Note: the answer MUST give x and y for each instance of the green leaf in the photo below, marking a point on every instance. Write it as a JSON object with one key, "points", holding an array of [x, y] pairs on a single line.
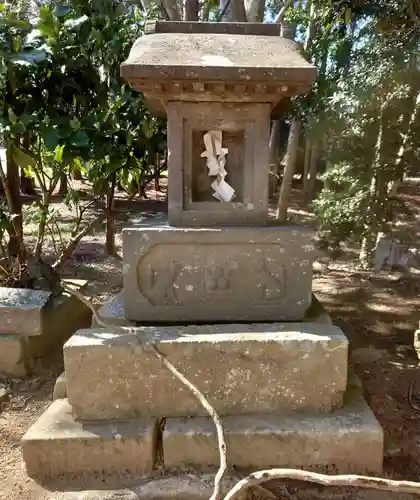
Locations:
{"points": [[51, 138], [22, 159], [11, 115], [75, 23], [347, 16], [47, 25], [59, 150], [46, 15], [74, 123], [80, 139], [14, 23]]}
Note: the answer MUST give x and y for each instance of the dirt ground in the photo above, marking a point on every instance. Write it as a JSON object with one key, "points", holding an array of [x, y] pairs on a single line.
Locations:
{"points": [[379, 313]]}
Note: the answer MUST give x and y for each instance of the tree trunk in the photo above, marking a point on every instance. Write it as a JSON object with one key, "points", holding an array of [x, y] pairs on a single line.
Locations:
{"points": [[254, 10], [291, 156], [171, 9], [77, 175], [311, 30], [307, 160], [377, 198], [233, 11], [110, 247], [26, 184], [406, 139], [64, 188], [274, 158], [15, 247], [311, 179], [15, 201], [142, 191], [282, 12], [191, 10]]}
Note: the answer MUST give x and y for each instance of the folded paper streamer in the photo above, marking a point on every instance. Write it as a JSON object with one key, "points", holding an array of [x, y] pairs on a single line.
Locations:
{"points": [[216, 161]]}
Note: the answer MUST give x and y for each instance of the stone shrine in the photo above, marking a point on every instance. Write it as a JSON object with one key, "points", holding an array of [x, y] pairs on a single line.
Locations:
{"points": [[226, 296], [219, 91]]}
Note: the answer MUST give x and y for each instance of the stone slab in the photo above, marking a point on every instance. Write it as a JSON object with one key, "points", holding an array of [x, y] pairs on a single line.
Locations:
{"points": [[57, 444], [32, 313], [349, 440], [12, 356], [209, 275], [226, 57], [256, 367], [21, 310]]}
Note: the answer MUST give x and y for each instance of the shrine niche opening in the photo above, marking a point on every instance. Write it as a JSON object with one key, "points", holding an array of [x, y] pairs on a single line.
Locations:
{"points": [[201, 181]]}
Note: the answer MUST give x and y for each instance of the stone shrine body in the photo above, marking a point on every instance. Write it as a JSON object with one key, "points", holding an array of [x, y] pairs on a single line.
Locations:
{"points": [[225, 296], [217, 260]]}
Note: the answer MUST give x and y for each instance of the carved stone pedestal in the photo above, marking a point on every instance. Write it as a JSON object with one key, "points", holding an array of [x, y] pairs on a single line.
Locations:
{"points": [[217, 274]]}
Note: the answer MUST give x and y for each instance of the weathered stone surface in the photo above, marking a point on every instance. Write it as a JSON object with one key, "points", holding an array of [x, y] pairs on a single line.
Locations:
{"points": [[60, 387], [179, 487], [21, 310], [57, 444], [113, 311], [64, 315], [217, 274], [247, 368], [163, 57], [53, 324], [349, 440], [12, 356]]}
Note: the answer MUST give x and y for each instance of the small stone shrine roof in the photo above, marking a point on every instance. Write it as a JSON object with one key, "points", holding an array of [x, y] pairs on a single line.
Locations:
{"points": [[221, 52]]}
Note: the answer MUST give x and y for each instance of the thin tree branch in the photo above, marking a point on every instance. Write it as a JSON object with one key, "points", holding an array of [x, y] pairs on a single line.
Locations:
{"points": [[72, 244], [213, 414], [373, 483], [282, 12]]}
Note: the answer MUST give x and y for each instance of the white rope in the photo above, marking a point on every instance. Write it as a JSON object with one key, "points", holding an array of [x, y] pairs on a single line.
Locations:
{"points": [[216, 161]]}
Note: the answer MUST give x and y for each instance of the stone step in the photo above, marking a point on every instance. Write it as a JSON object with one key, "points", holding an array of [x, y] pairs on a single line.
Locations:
{"points": [[242, 369], [186, 486], [57, 444], [348, 441]]}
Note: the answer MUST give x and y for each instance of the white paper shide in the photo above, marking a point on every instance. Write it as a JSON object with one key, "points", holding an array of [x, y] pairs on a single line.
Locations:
{"points": [[216, 161]]}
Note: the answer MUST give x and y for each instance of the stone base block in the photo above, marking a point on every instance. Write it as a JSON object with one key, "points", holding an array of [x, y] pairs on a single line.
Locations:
{"points": [[43, 329], [22, 310], [57, 444], [12, 356], [217, 274], [242, 369], [348, 441]]}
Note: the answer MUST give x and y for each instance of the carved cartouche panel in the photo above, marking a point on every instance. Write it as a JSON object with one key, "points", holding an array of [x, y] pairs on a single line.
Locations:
{"points": [[216, 274], [212, 274]]}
